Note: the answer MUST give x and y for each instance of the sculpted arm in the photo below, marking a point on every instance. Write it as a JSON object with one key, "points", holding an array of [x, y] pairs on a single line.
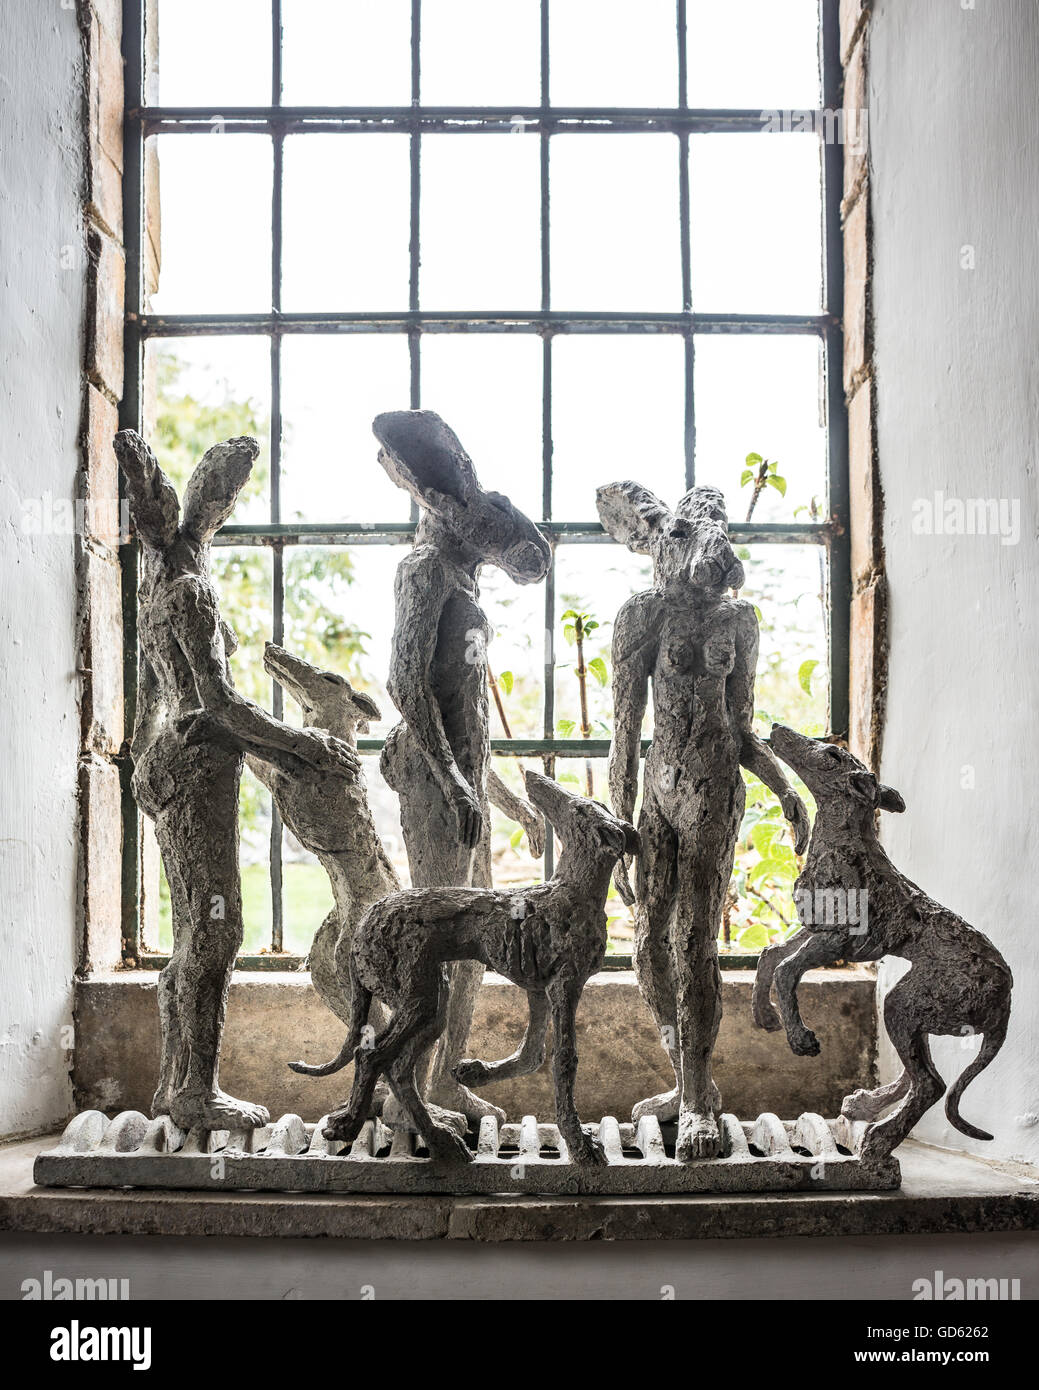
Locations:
{"points": [[195, 623], [635, 640], [755, 755], [420, 592]]}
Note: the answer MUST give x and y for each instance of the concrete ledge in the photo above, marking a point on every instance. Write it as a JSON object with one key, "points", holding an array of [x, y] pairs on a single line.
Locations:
{"points": [[941, 1193], [274, 1018]]}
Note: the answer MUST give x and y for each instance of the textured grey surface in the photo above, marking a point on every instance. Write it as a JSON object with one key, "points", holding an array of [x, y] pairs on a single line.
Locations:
{"points": [[765, 1155], [698, 647], [329, 814], [549, 938], [958, 984], [192, 733], [437, 758]]}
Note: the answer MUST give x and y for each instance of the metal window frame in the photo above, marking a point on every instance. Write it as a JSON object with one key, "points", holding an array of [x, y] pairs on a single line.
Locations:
{"points": [[275, 122]]}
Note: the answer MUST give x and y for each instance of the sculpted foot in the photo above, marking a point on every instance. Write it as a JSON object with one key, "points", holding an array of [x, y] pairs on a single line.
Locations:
{"points": [[663, 1107], [766, 1015], [588, 1152], [217, 1110], [473, 1107], [394, 1116], [470, 1072], [865, 1105], [445, 1146], [804, 1043], [698, 1137]]}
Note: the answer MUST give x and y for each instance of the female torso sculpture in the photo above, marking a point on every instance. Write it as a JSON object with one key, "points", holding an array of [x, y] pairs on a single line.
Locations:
{"points": [[698, 646]]}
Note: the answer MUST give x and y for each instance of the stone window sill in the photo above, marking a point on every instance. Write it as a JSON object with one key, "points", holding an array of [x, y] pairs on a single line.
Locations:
{"points": [[942, 1192]]}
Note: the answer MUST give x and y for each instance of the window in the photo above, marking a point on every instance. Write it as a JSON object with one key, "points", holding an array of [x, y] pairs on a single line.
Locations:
{"points": [[611, 249]]}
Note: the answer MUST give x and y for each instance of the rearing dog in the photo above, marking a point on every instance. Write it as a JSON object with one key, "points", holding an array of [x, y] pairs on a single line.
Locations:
{"points": [[959, 984], [547, 938]]}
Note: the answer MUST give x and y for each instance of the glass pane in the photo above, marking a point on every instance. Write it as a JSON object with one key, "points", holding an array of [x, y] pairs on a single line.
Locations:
{"points": [[481, 222], [214, 224], [617, 412], [615, 231], [332, 389], [481, 53], [594, 581], [346, 222], [613, 53], [753, 53], [214, 53], [788, 584], [346, 52], [756, 223], [201, 391], [488, 388], [516, 653], [761, 395]]}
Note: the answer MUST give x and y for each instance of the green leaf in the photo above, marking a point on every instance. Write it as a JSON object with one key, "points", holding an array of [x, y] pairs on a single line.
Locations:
{"points": [[516, 837], [565, 727], [570, 633], [505, 681], [804, 675], [746, 476], [753, 938], [753, 460], [568, 777], [772, 466], [763, 836], [570, 613], [590, 625], [598, 669], [778, 483], [757, 611]]}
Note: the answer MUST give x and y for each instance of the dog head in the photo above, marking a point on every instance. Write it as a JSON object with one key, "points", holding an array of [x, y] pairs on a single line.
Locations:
{"points": [[831, 773], [578, 820], [327, 699]]}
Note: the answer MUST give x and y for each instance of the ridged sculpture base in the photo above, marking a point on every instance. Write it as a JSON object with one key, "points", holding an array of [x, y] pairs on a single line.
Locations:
{"points": [[763, 1155]]}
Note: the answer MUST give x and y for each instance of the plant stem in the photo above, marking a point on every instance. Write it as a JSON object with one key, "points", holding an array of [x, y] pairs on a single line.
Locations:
{"points": [[759, 487], [582, 681], [492, 681]]}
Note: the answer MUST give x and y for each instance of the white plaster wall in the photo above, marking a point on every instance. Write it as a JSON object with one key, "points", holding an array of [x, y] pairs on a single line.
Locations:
{"points": [[42, 280], [954, 134]]}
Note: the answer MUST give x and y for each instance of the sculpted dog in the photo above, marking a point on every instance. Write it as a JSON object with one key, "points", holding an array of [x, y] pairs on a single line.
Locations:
{"points": [[547, 938], [959, 983]]}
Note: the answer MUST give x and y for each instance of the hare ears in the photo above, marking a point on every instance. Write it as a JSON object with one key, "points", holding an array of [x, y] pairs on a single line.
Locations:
{"points": [[151, 495], [631, 514], [364, 704], [882, 798], [636, 517], [423, 455]]}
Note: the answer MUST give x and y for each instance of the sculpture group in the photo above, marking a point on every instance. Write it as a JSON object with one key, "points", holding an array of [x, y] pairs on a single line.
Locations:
{"points": [[401, 967]]}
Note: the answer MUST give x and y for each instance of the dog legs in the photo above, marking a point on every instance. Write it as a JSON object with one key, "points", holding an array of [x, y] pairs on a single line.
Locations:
{"points": [[526, 1059], [925, 1082], [870, 1105], [564, 994], [765, 1013], [815, 949]]}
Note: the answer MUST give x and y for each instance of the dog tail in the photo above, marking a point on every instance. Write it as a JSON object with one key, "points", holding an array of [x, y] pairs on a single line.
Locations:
{"points": [[992, 1042], [360, 1005]]}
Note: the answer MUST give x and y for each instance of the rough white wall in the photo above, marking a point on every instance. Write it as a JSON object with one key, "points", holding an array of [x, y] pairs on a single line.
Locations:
{"points": [[954, 135], [42, 278]]}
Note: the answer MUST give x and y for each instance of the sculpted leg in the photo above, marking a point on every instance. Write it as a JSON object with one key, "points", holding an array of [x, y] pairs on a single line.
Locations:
{"points": [[207, 932], [925, 1082], [655, 899], [705, 865], [870, 1105], [526, 1059], [815, 950], [765, 1013]]}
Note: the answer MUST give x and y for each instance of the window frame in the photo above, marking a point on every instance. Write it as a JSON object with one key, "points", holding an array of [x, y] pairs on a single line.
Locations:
{"points": [[275, 122]]}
